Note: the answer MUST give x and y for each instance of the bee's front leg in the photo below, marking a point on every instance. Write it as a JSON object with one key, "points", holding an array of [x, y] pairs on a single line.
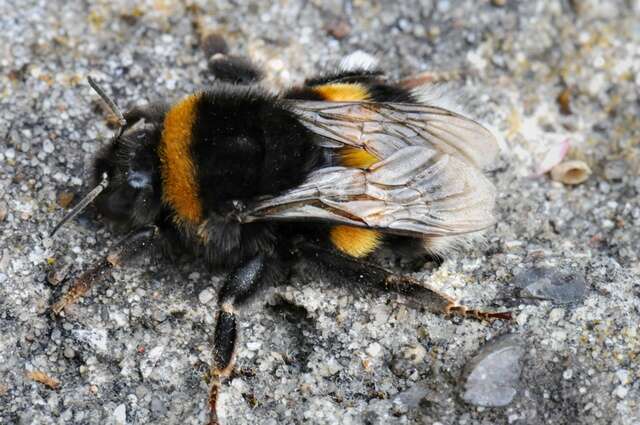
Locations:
{"points": [[152, 113], [137, 241], [238, 288]]}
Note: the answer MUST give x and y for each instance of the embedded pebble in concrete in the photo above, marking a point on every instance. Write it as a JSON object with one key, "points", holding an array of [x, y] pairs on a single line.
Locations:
{"points": [[120, 415], [492, 377], [97, 339], [411, 398], [616, 170], [551, 284]]}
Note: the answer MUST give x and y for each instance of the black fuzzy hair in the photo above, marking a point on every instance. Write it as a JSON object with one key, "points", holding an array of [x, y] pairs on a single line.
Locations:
{"points": [[246, 144]]}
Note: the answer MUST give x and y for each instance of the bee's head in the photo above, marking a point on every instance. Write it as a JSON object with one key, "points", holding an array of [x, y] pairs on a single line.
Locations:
{"points": [[131, 166], [126, 174]]}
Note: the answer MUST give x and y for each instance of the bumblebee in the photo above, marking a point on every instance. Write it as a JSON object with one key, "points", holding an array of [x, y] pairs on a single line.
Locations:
{"points": [[328, 171]]}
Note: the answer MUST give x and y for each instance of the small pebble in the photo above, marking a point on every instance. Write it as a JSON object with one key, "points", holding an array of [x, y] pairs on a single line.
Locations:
{"points": [[158, 407], [339, 28], [159, 315], [623, 376], [4, 210], [206, 296], [412, 397], [120, 415], [48, 147], [254, 345], [621, 391], [374, 349], [69, 353], [616, 170]]}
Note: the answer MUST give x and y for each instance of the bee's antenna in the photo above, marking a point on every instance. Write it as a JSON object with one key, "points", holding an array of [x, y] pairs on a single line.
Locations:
{"points": [[110, 103], [83, 203]]}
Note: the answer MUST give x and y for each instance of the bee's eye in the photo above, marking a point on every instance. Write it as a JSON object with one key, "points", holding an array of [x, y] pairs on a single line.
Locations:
{"points": [[138, 179]]}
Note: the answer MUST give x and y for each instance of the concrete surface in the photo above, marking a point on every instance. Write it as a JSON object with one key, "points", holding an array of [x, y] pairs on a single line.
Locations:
{"points": [[135, 350]]}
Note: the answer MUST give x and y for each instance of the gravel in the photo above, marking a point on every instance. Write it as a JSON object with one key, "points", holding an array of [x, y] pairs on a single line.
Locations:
{"points": [[136, 349]]}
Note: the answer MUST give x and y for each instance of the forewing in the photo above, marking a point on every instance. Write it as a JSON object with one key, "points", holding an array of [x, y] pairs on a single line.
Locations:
{"points": [[384, 128], [415, 191]]}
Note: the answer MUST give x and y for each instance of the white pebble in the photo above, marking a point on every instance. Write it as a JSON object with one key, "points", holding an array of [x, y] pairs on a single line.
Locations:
{"points": [[48, 147], [621, 391], [206, 296], [120, 415], [254, 345], [623, 376], [374, 349]]}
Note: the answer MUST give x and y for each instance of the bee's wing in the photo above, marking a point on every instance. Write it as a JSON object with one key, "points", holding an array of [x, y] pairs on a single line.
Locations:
{"points": [[427, 181], [384, 128]]}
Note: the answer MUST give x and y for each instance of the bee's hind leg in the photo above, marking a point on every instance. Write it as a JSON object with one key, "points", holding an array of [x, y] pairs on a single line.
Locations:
{"points": [[238, 288], [126, 249], [225, 67], [347, 271]]}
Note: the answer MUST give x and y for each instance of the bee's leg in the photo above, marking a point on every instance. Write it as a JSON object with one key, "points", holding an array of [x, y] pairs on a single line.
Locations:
{"points": [[238, 288], [367, 276], [152, 113], [126, 249], [233, 69], [225, 67]]}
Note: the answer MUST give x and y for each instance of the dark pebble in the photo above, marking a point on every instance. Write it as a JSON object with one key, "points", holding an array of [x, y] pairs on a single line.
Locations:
{"points": [[548, 284]]}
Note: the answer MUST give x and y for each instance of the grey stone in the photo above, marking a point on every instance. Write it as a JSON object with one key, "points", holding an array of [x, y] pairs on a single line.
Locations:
{"points": [[69, 352], [492, 377], [158, 407], [411, 398], [616, 170], [551, 284]]}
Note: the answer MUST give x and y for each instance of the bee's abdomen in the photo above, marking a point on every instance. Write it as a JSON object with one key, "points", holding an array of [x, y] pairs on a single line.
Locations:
{"points": [[354, 241]]}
